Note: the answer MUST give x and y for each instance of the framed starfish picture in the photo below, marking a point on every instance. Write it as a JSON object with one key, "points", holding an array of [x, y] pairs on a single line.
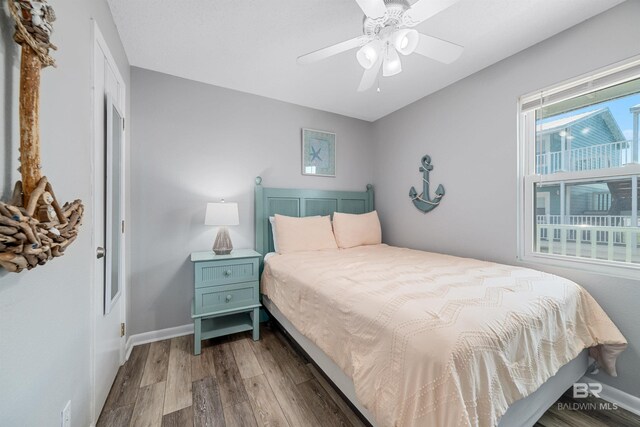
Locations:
{"points": [[318, 153]]}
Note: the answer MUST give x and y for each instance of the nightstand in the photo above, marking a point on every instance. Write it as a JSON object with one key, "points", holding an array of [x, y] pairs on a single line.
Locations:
{"points": [[226, 294]]}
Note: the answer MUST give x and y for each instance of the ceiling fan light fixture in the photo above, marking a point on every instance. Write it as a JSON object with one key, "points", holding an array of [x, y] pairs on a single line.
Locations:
{"points": [[406, 40], [391, 65], [368, 54]]}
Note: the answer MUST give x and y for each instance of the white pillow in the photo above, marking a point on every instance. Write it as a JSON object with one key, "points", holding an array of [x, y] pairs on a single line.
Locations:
{"points": [[357, 230], [310, 233], [272, 221]]}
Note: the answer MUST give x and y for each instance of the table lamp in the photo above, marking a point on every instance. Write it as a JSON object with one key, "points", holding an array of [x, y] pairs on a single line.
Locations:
{"points": [[222, 214]]}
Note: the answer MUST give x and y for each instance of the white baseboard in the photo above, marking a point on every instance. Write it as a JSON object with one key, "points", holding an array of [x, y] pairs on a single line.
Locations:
{"points": [[611, 394], [151, 336]]}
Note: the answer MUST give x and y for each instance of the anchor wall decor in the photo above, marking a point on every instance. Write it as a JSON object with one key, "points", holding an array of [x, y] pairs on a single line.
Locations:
{"points": [[423, 201]]}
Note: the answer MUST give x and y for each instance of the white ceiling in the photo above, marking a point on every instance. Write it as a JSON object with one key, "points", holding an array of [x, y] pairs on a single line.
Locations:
{"points": [[252, 45]]}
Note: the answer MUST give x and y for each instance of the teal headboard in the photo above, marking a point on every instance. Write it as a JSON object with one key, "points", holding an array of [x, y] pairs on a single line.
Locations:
{"points": [[296, 202]]}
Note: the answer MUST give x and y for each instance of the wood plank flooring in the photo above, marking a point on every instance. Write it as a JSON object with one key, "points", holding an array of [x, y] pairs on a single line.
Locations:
{"points": [[586, 412], [238, 382]]}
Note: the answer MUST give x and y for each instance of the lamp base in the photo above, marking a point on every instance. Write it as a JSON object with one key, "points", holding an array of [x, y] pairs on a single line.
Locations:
{"points": [[223, 245]]}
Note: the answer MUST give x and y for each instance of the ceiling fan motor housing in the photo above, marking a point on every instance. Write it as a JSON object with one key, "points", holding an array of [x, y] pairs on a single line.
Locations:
{"points": [[372, 27]]}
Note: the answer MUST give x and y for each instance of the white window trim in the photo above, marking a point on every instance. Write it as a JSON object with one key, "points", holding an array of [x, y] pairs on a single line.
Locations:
{"points": [[602, 78]]}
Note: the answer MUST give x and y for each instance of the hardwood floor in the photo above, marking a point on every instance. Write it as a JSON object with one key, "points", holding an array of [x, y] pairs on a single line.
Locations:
{"points": [[238, 382], [586, 412]]}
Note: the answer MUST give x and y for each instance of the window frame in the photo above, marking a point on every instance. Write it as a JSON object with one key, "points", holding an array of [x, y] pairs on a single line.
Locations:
{"points": [[526, 124]]}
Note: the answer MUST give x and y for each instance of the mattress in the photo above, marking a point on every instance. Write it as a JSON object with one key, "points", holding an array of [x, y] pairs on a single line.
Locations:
{"points": [[430, 339]]}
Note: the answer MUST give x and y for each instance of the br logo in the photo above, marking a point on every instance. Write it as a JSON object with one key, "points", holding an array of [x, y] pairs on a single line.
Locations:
{"points": [[582, 390]]}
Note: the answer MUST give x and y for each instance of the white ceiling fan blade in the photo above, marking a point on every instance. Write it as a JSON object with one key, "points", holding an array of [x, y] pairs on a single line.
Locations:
{"points": [[425, 9], [370, 75], [440, 50], [372, 8], [332, 50]]}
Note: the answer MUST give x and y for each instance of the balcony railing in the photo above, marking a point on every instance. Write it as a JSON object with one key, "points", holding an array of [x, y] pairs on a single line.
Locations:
{"points": [[585, 224], [597, 220], [605, 243], [614, 154], [609, 237]]}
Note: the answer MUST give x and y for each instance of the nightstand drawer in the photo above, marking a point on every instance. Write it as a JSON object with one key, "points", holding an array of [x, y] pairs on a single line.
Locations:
{"points": [[224, 272], [227, 297]]}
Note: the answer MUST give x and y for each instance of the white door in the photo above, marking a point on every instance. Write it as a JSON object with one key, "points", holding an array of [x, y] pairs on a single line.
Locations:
{"points": [[108, 207]]}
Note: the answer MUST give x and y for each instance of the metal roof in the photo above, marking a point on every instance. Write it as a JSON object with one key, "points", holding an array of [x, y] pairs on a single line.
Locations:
{"points": [[565, 122]]}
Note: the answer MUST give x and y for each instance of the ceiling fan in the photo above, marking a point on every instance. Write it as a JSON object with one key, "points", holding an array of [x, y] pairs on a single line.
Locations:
{"points": [[387, 29]]}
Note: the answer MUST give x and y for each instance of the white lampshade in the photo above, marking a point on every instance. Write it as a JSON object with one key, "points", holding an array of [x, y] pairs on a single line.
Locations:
{"points": [[368, 54], [406, 40], [222, 213], [391, 65]]}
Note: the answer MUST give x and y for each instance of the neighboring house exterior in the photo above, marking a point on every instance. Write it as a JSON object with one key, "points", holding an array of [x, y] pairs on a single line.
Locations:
{"points": [[585, 141], [589, 140]]}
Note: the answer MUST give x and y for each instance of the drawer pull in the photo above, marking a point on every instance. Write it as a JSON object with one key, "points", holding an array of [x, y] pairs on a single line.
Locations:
{"points": [[227, 273], [229, 297]]}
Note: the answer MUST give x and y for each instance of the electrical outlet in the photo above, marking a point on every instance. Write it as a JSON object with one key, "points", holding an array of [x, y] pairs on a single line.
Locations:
{"points": [[66, 415]]}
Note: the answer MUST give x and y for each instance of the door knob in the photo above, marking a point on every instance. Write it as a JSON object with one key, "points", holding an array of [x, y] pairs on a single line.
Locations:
{"points": [[100, 252]]}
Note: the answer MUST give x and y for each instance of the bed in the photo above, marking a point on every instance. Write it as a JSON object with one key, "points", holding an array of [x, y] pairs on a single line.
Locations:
{"points": [[364, 319]]}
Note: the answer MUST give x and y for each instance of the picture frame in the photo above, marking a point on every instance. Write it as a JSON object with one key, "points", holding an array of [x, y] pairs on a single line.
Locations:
{"points": [[318, 153]]}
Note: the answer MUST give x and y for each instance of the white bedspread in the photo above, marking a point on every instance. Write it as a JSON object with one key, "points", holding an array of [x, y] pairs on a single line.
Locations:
{"points": [[436, 340]]}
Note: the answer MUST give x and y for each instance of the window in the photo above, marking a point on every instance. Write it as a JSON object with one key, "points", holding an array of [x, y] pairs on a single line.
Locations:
{"points": [[579, 169]]}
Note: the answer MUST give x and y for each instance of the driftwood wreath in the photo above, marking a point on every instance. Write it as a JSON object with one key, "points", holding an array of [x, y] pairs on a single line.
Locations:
{"points": [[34, 228]]}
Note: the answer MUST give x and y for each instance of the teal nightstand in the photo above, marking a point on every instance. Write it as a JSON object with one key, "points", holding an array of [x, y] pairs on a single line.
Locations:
{"points": [[227, 294]]}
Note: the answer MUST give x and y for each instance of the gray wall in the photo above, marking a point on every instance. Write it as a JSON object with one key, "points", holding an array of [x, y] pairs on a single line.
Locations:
{"points": [[197, 143], [45, 330], [470, 129]]}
